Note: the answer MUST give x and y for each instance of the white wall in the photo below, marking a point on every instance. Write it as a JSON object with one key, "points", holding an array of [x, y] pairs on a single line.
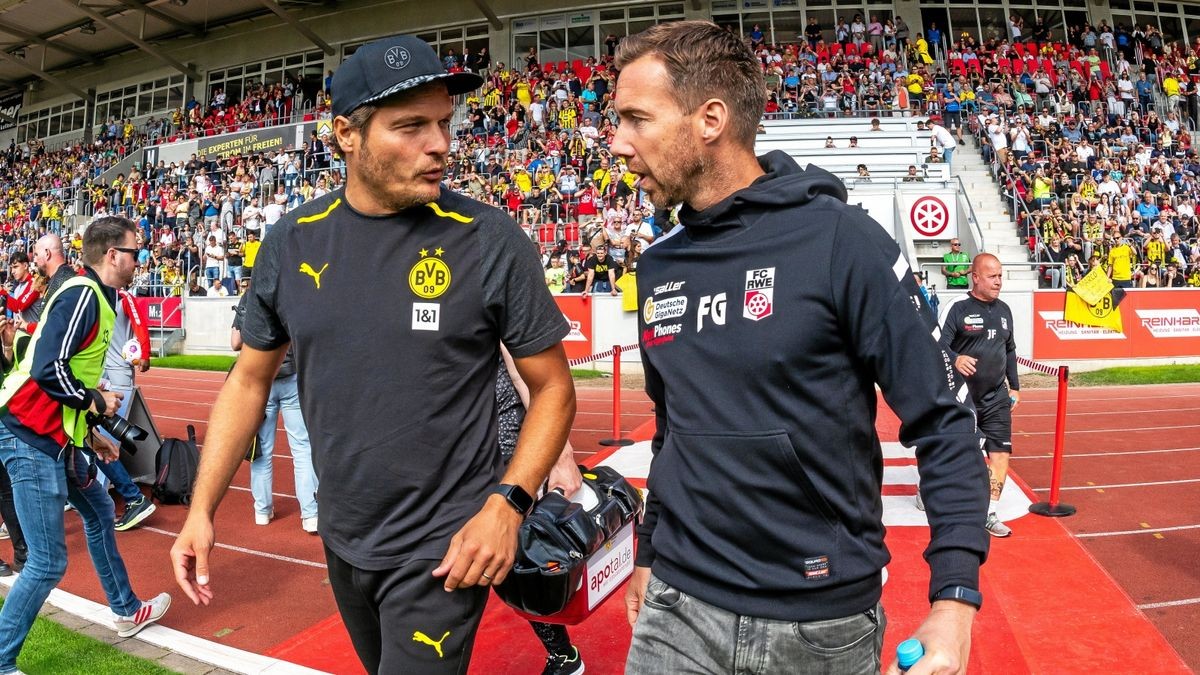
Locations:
{"points": [[206, 324]]}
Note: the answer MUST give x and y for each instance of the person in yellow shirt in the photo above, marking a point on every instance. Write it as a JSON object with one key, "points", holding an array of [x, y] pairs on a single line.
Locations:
{"points": [[250, 252], [523, 180], [1156, 248], [545, 178], [1121, 259], [923, 50], [567, 117], [602, 177]]}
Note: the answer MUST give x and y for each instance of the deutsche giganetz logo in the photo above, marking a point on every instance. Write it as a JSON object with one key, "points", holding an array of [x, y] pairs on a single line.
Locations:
{"points": [[396, 57]]}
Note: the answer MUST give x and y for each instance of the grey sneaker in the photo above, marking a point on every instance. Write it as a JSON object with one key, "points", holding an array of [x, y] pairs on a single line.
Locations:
{"points": [[920, 502], [995, 527], [151, 611]]}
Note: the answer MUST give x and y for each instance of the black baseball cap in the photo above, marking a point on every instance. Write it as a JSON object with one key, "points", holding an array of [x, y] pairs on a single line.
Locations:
{"points": [[389, 66]]}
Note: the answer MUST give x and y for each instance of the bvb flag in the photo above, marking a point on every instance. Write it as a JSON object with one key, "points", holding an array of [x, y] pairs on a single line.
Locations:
{"points": [[1094, 301]]}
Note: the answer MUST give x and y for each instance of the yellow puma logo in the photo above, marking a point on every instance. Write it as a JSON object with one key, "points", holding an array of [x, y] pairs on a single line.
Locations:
{"points": [[424, 639], [307, 269]]}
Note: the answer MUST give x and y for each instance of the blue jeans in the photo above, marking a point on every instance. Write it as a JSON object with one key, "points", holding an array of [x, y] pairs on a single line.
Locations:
{"points": [[678, 633], [116, 471], [948, 155], [212, 273], [40, 487], [284, 398]]}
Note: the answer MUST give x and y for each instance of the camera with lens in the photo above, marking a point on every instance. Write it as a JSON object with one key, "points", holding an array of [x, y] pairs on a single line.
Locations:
{"points": [[127, 433]]}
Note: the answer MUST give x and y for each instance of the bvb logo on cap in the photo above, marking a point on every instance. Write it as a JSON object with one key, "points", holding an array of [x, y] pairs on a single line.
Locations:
{"points": [[396, 58]]}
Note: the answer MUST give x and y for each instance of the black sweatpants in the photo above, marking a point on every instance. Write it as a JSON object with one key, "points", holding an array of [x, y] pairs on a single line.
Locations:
{"points": [[402, 620]]}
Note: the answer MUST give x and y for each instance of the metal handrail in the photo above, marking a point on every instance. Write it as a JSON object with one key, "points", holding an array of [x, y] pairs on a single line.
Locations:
{"points": [[972, 219]]}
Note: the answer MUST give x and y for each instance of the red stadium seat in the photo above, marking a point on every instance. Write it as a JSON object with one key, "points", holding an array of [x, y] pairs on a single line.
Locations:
{"points": [[957, 67], [1080, 68], [835, 50], [545, 234], [571, 233], [976, 66], [851, 49], [1004, 66], [1105, 71], [1018, 66], [1019, 47]]}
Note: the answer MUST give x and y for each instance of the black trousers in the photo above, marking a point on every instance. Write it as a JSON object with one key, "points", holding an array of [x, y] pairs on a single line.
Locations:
{"points": [[8, 511], [402, 620]]}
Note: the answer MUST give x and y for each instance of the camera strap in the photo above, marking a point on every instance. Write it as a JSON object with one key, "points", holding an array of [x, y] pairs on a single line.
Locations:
{"points": [[80, 465]]}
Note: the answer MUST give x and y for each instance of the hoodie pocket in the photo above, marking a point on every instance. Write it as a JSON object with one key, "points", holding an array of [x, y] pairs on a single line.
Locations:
{"points": [[743, 499]]}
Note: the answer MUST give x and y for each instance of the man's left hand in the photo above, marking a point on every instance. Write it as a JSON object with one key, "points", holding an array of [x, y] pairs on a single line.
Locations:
{"points": [[106, 451], [482, 552], [946, 637], [1015, 396]]}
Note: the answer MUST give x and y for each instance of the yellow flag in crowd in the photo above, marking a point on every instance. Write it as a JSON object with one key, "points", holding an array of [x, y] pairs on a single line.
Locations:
{"points": [[1104, 309], [1093, 286]]}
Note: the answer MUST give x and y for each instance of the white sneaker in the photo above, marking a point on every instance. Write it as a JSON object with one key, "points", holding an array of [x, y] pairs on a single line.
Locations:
{"points": [[151, 611], [4, 531], [263, 518], [995, 527], [309, 525], [920, 502]]}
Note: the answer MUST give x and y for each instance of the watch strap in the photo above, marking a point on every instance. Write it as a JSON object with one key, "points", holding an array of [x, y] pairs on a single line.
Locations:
{"points": [[963, 594]]}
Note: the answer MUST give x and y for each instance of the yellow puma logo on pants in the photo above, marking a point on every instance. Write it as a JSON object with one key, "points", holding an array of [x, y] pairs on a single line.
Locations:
{"points": [[424, 639], [307, 269]]}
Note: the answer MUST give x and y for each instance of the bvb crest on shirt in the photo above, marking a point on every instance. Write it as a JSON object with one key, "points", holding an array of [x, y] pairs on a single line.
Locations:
{"points": [[430, 276]]}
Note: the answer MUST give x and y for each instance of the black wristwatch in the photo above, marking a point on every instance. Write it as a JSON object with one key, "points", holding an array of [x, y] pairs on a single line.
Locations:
{"points": [[517, 498], [962, 594]]}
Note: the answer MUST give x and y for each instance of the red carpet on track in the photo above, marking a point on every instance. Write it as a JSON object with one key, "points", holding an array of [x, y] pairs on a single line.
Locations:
{"points": [[1049, 608]]}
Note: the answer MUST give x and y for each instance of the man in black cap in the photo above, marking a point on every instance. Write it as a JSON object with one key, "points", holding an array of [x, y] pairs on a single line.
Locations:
{"points": [[414, 515]]}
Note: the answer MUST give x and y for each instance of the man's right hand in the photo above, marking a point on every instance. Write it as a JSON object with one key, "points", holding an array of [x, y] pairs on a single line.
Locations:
{"points": [[189, 557], [965, 364], [635, 593], [112, 402]]}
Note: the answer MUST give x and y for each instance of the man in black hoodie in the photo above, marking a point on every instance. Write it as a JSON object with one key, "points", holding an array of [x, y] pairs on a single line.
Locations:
{"points": [[765, 516]]}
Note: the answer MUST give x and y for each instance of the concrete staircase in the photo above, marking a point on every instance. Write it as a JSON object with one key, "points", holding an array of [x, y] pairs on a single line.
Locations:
{"points": [[995, 220]]}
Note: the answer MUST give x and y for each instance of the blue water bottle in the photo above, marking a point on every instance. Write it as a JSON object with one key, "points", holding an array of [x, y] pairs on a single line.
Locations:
{"points": [[908, 653]]}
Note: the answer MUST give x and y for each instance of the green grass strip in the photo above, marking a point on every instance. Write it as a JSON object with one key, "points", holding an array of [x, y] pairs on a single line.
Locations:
{"points": [[1173, 374], [201, 362], [52, 648], [588, 374]]}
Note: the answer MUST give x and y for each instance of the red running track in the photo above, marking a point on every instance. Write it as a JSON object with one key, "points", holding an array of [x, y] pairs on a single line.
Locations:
{"points": [[1050, 608]]}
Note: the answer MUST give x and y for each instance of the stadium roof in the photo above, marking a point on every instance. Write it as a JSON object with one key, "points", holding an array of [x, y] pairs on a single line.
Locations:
{"points": [[40, 39]]}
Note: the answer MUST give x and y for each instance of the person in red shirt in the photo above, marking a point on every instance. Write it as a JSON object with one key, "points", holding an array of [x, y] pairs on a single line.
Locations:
{"points": [[20, 294]]}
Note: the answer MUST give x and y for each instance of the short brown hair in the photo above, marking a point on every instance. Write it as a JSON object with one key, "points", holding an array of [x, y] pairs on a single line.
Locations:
{"points": [[704, 61], [103, 234]]}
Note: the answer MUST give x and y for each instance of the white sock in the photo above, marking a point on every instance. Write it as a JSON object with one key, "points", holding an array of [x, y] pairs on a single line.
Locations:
{"points": [[993, 504]]}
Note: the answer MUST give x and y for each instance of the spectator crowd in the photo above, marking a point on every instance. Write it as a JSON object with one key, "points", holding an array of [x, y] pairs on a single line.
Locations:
{"points": [[1090, 136]]}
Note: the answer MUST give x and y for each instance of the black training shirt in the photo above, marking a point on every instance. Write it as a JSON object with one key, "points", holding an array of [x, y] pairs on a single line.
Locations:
{"points": [[396, 323], [983, 330]]}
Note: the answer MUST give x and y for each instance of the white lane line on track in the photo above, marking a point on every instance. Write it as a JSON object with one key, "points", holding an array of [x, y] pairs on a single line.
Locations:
{"points": [[1107, 431], [1164, 411], [1123, 485], [1170, 603], [249, 551], [1076, 455], [1177, 528]]}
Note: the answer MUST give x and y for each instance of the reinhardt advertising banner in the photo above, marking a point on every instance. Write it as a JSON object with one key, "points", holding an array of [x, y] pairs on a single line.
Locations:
{"points": [[1154, 322]]}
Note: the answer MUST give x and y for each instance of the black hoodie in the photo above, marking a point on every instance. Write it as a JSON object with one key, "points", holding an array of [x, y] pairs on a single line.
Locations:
{"points": [[766, 322]]}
